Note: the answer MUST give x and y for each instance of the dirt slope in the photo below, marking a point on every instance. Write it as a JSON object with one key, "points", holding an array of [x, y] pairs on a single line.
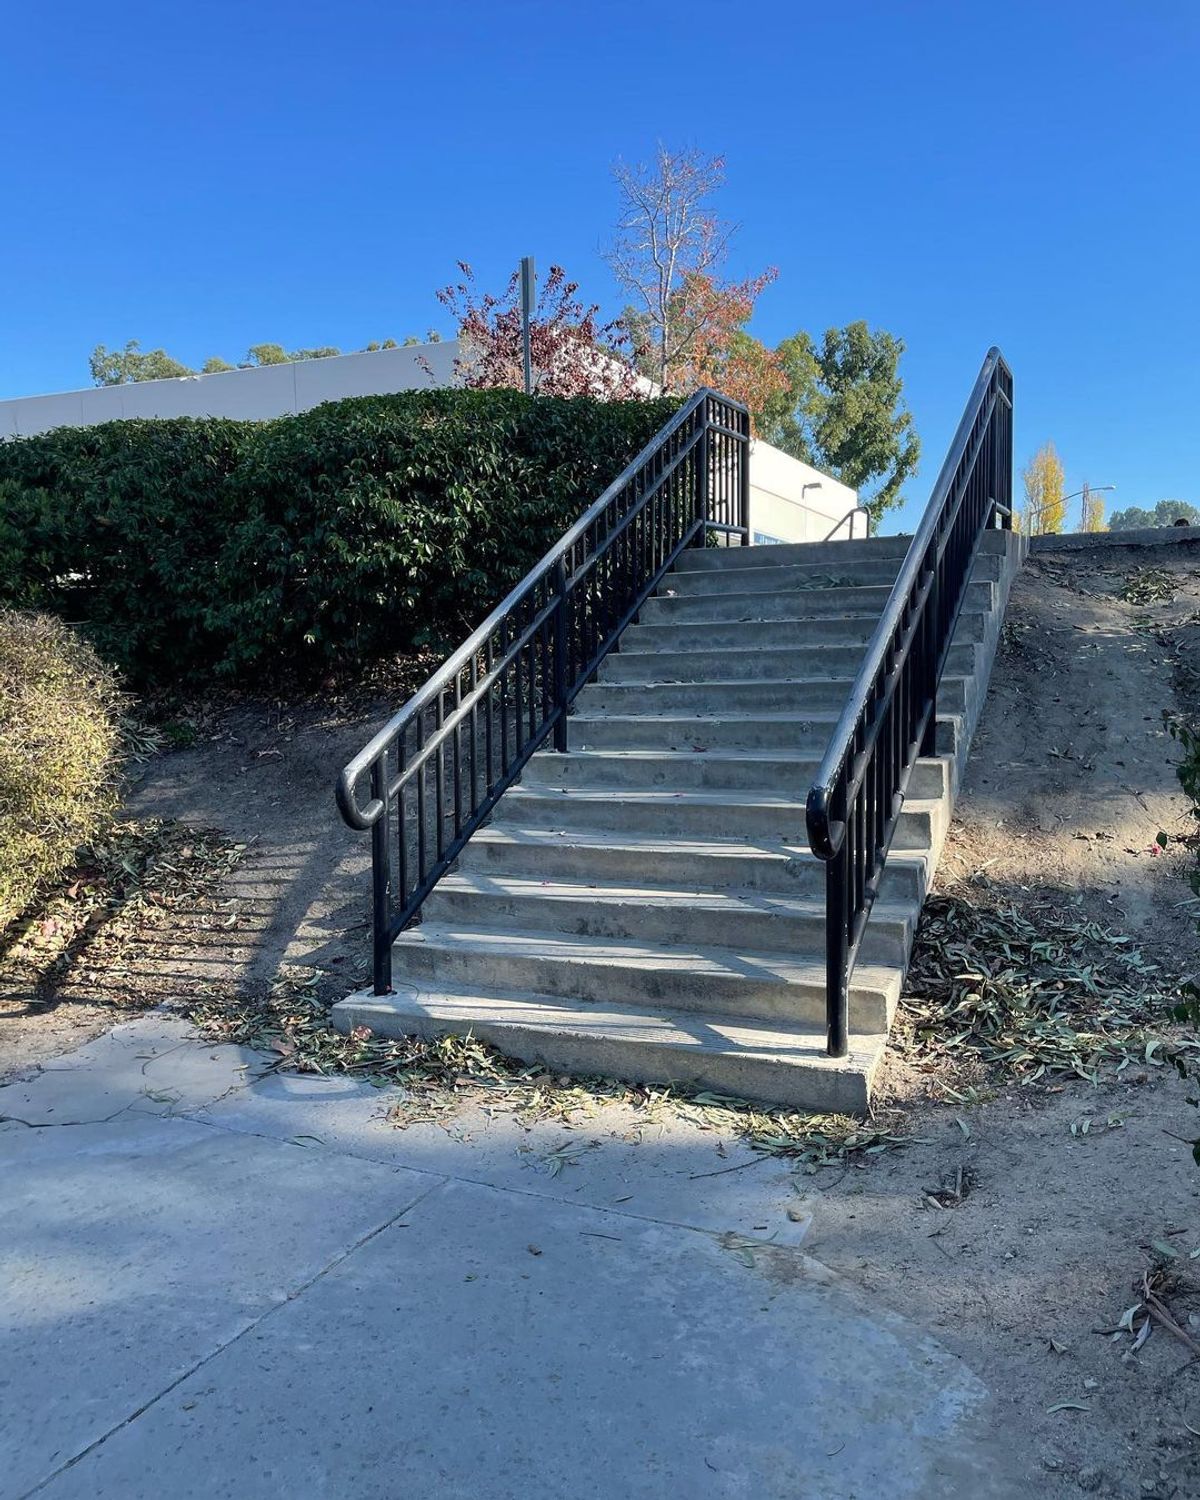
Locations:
{"points": [[1070, 781]]}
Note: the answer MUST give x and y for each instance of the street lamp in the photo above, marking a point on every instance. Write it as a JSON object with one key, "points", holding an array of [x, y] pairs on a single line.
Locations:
{"points": [[1088, 489]]}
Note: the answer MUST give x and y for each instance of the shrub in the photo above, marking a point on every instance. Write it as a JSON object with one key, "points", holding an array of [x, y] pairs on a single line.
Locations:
{"points": [[249, 549], [59, 742]]}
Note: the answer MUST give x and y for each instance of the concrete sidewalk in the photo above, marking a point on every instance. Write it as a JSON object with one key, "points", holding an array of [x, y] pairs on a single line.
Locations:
{"points": [[221, 1281]]}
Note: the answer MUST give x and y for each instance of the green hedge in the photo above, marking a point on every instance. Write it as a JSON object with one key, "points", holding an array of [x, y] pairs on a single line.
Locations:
{"points": [[59, 748], [193, 547]]}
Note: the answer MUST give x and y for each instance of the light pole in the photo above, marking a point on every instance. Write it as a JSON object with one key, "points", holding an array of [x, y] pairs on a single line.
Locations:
{"points": [[528, 301]]}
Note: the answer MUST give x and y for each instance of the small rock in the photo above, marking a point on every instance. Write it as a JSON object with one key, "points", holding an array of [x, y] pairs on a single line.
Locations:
{"points": [[1090, 1480]]}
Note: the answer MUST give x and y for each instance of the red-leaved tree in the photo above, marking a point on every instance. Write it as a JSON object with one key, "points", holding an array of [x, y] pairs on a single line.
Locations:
{"points": [[573, 352]]}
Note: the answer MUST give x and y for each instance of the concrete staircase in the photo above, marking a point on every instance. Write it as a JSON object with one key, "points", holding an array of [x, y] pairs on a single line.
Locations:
{"points": [[646, 905]]}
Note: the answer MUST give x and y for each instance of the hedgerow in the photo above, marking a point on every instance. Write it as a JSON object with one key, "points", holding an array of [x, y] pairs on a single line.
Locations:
{"points": [[191, 548]]}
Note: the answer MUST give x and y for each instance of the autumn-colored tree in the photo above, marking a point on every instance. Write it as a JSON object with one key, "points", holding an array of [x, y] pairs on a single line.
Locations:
{"points": [[573, 352], [722, 354], [1045, 507], [1092, 511], [668, 257]]}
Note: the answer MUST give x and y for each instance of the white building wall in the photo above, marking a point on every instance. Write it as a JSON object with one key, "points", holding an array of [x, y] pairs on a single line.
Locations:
{"points": [[266, 391], [791, 501]]}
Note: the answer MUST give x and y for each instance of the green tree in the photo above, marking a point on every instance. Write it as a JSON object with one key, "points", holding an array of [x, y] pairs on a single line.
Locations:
{"points": [[266, 354], [1165, 513], [843, 411], [125, 366]]}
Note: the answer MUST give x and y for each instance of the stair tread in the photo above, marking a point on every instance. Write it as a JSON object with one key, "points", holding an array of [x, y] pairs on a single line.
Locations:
{"points": [[447, 1005], [653, 752], [699, 683], [753, 715], [732, 798], [632, 843], [834, 679], [642, 844], [654, 894], [680, 958]]}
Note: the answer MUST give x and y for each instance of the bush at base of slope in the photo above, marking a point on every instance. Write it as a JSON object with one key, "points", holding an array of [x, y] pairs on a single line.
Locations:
{"points": [[59, 751]]}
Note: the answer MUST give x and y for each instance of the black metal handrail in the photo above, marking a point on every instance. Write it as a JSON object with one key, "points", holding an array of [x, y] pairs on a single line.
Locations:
{"points": [[890, 718], [440, 765], [859, 510]]}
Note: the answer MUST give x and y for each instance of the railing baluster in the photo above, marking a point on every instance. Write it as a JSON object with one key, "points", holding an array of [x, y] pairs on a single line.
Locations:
{"points": [[381, 881], [421, 778], [456, 751]]}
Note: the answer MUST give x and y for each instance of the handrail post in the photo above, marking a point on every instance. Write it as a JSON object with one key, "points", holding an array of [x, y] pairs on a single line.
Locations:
{"points": [[702, 476], [381, 878], [929, 667], [837, 955], [744, 476], [560, 654]]}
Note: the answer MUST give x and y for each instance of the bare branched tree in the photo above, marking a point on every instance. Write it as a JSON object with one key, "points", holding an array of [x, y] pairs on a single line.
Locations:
{"points": [[668, 253]]}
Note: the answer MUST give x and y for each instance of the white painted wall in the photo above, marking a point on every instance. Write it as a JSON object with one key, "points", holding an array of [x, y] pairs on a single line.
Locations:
{"points": [[791, 501], [269, 391]]}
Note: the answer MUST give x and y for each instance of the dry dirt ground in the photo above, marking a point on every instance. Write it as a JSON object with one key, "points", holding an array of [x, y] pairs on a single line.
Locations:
{"points": [[1047, 1229]]}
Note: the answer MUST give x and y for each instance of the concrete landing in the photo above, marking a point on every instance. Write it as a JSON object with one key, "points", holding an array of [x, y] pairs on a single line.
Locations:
{"points": [[264, 1289]]}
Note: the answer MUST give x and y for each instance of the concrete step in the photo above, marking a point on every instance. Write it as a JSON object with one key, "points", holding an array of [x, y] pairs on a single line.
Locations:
{"points": [[786, 604], [800, 576], [771, 634], [700, 732], [787, 773], [729, 696], [743, 665], [688, 580], [682, 915], [782, 1064], [842, 553], [713, 864], [799, 733], [709, 814], [593, 970]]}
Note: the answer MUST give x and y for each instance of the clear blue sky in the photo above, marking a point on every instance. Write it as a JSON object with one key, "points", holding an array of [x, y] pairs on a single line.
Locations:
{"points": [[204, 177]]}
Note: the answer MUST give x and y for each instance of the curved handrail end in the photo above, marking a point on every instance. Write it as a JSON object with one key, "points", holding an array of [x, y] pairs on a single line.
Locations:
{"points": [[344, 791]]}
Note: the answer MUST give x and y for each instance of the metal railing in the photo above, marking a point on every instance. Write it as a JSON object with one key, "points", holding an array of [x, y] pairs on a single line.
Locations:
{"points": [[890, 718], [859, 510], [437, 769]]}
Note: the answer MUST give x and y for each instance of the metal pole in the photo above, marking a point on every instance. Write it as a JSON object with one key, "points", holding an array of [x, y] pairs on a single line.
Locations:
{"points": [[744, 477], [528, 289], [837, 978], [560, 655], [381, 879]]}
